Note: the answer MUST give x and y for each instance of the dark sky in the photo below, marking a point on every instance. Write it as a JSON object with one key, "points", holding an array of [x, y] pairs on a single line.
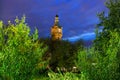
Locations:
{"points": [[77, 17]]}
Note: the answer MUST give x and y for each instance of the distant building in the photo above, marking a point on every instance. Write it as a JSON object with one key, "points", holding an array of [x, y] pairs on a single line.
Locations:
{"points": [[56, 30]]}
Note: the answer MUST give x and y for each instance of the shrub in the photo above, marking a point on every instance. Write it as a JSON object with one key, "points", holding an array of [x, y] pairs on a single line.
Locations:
{"points": [[20, 52], [94, 66], [64, 76]]}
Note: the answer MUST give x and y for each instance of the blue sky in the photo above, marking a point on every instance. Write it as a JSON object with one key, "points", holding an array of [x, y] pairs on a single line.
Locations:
{"points": [[77, 17]]}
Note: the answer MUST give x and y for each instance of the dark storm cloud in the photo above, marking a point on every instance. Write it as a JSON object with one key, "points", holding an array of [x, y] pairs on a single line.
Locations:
{"points": [[78, 17]]}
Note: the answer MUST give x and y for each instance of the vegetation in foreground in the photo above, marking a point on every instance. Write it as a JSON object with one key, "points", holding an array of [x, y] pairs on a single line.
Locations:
{"points": [[21, 53]]}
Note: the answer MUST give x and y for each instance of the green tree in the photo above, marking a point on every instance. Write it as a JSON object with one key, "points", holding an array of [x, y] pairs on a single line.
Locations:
{"points": [[107, 42], [20, 52], [110, 23], [94, 66], [62, 54]]}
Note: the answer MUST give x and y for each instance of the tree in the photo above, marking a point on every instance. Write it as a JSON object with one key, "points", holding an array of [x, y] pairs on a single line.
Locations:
{"points": [[110, 23], [107, 42], [62, 54], [20, 52]]}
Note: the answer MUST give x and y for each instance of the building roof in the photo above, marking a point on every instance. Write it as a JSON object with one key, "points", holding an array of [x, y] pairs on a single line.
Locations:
{"points": [[56, 15]]}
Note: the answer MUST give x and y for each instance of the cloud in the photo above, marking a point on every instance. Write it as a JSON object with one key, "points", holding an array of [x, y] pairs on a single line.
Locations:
{"points": [[85, 36]]}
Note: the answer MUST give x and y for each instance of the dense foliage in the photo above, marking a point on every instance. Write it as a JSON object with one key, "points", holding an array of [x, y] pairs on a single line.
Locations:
{"points": [[110, 23], [108, 41], [62, 52], [23, 56], [20, 52]]}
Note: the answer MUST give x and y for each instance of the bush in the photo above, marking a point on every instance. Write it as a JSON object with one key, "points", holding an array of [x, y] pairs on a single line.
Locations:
{"points": [[94, 66], [64, 76], [20, 52]]}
